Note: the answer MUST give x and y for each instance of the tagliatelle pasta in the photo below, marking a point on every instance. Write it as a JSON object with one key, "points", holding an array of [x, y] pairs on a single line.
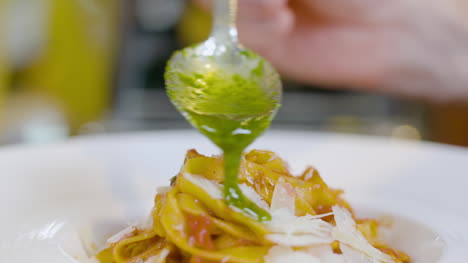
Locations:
{"points": [[191, 222]]}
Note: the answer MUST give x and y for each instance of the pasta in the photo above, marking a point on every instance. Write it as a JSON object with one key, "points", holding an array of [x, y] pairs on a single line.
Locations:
{"points": [[191, 222]]}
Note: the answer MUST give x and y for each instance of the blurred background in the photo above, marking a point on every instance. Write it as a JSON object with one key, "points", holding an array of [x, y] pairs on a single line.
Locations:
{"points": [[74, 67]]}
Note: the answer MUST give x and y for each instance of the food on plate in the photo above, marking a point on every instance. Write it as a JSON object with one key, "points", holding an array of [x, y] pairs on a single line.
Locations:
{"points": [[192, 223]]}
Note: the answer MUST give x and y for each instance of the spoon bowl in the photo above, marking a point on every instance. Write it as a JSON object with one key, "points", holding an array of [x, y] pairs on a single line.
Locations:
{"points": [[214, 78]]}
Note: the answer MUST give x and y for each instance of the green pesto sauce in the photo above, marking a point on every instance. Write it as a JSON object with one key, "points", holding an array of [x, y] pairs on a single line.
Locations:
{"points": [[232, 110]]}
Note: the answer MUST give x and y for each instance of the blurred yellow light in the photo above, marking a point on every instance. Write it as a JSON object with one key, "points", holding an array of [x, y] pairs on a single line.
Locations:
{"points": [[345, 123], [406, 132], [4, 71], [75, 67], [194, 26]]}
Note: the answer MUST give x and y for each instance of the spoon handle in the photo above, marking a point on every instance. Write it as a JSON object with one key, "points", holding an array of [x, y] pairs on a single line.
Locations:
{"points": [[224, 20]]}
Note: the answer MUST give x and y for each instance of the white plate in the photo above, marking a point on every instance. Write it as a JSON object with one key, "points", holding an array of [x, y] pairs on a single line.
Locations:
{"points": [[47, 193]]}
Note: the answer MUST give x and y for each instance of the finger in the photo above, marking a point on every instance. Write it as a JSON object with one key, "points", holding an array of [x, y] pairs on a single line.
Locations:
{"points": [[350, 11], [332, 56], [261, 7], [262, 22]]}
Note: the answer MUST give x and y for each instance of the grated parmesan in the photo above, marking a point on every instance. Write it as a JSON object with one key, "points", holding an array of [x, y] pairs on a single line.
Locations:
{"points": [[252, 195], [347, 233], [122, 234], [279, 254], [284, 196], [212, 188]]}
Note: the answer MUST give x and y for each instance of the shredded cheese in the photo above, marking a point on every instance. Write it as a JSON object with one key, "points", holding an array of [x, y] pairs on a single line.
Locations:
{"points": [[122, 234], [347, 233], [284, 196], [252, 195], [279, 254], [290, 230], [326, 254], [212, 188]]}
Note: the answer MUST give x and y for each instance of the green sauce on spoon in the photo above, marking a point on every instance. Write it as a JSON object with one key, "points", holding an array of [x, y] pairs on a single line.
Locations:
{"points": [[230, 95]]}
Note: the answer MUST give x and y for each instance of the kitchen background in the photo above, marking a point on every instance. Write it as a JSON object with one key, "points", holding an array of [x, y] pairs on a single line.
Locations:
{"points": [[74, 67]]}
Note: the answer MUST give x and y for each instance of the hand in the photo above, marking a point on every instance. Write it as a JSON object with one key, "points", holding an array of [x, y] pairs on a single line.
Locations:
{"points": [[407, 47]]}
